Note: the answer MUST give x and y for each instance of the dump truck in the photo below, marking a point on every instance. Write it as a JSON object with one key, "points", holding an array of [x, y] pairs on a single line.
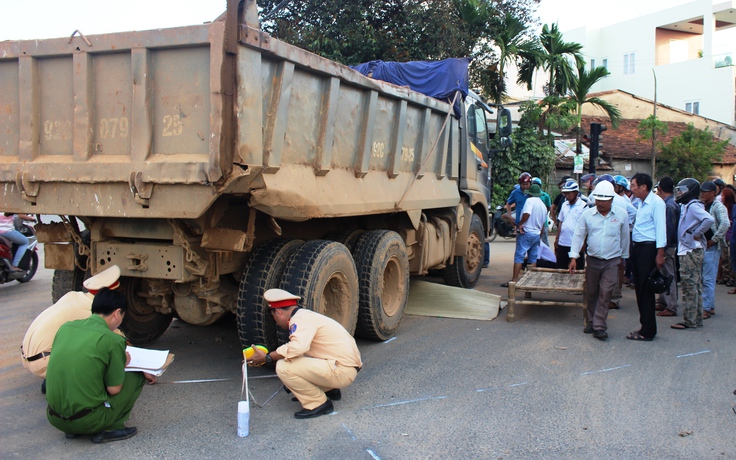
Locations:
{"points": [[213, 162]]}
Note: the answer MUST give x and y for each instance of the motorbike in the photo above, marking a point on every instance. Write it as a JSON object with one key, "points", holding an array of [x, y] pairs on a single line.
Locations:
{"points": [[29, 262], [501, 227]]}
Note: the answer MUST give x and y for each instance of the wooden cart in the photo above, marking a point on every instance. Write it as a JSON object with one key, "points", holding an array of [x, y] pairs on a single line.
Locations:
{"points": [[552, 280]]}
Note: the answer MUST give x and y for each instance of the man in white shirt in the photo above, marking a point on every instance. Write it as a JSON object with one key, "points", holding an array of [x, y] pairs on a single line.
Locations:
{"points": [[570, 212], [606, 229], [533, 217]]}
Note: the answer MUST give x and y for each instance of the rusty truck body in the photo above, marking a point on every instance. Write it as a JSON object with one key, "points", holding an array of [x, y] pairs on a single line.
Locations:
{"points": [[213, 162]]}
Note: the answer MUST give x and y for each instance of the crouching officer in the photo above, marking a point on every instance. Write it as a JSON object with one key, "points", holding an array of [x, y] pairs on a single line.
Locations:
{"points": [[36, 346], [320, 358], [89, 391]]}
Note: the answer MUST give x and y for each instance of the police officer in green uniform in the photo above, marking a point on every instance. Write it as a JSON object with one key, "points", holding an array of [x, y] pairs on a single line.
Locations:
{"points": [[88, 390]]}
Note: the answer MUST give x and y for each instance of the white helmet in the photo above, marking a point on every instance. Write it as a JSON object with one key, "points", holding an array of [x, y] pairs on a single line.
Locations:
{"points": [[570, 186], [603, 191]]}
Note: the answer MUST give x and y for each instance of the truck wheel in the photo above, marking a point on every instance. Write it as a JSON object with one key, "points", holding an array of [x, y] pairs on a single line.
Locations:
{"points": [[263, 272], [142, 324], [32, 267], [71, 280], [66, 281], [347, 237], [383, 277], [466, 269], [323, 274]]}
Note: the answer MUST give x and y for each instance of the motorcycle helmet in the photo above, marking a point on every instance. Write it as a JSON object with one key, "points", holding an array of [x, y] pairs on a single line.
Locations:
{"points": [[525, 177], [687, 190], [622, 181], [536, 180], [658, 283], [563, 180], [570, 186], [719, 182], [604, 177]]}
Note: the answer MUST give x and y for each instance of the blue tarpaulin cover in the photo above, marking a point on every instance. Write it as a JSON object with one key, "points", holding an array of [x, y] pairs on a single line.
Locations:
{"points": [[437, 79]]}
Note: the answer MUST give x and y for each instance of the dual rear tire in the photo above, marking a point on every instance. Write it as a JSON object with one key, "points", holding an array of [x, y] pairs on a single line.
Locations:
{"points": [[366, 292]]}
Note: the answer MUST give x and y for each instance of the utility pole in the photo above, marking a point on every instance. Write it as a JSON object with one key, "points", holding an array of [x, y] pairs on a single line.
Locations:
{"points": [[654, 131]]}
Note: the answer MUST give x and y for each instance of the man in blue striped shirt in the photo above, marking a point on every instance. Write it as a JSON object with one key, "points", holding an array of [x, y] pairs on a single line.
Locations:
{"points": [[649, 238]]}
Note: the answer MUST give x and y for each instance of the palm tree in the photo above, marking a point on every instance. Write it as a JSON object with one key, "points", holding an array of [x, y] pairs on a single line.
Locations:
{"points": [[555, 59], [513, 45], [578, 93]]}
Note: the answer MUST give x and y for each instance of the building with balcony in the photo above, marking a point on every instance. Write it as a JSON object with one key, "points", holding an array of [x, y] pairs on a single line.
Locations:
{"points": [[688, 50]]}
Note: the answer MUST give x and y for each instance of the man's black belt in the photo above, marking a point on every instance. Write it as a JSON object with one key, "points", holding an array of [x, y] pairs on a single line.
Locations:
{"points": [[644, 243], [76, 416], [43, 354]]}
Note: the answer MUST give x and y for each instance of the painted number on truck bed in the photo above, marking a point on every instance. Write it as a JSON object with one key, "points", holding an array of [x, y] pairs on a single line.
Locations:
{"points": [[172, 126], [110, 128], [57, 130], [378, 150], [407, 153]]}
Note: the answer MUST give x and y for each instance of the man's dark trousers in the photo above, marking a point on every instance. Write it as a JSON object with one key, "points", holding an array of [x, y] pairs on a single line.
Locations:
{"points": [[643, 261]]}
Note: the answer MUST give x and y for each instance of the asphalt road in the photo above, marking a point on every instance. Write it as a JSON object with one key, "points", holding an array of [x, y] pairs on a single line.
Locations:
{"points": [[443, 388]]}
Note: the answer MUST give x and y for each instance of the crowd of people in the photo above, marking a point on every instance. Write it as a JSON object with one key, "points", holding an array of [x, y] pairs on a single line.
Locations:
{"points": [[655, 238]]}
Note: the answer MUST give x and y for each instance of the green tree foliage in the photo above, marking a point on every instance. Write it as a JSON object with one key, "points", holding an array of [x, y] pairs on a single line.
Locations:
{"points": [[691, 154], [529, 153], [650, 125], [556, 56], [578, 93], [355, 31]]}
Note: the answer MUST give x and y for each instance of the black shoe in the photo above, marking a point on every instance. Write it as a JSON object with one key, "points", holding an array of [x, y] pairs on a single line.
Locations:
{"points": [[588, 329], [114, 435], [71, 435], [600, 335], [334, 395], [325, 408], [43, 386]]}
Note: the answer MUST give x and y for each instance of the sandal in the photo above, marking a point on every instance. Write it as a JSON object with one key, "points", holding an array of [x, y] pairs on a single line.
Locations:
{"points": [[706, 315], [506, 284], [636, 336], [666, 313], [732, 291], [681, 326]]}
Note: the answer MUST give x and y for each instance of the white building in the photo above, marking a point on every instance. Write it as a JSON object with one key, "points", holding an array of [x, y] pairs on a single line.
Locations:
{"points": [[690, 48]]}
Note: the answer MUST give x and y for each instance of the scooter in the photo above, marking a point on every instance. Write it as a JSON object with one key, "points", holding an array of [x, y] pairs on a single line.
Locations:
{"points": [[501, 227], [29, 262]]}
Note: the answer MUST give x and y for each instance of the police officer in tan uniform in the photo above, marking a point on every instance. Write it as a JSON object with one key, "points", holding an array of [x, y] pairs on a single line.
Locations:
{"points": [[36, 346], [320, 358]]}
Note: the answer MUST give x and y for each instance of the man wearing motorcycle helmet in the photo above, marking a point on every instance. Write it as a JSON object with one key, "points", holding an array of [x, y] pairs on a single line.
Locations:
{"points": [[606, 230], [559, 200], [720, 185], [667, 301], [694, 222], [570, 213]]}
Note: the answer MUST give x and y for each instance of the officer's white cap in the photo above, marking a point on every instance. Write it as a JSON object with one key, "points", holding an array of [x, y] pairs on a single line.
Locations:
{"points": [[278, 298], [108, 278]]}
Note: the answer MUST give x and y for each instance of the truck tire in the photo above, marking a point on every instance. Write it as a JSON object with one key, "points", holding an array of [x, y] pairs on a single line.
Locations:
{"points": [[383, 277], [263, 272], [466, 269], [142, 324], [347, 237], [323, 274], [71, 280]]}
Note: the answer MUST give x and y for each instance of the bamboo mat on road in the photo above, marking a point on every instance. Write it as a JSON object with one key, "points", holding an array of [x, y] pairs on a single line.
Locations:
{"points": [[439, 300]]}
